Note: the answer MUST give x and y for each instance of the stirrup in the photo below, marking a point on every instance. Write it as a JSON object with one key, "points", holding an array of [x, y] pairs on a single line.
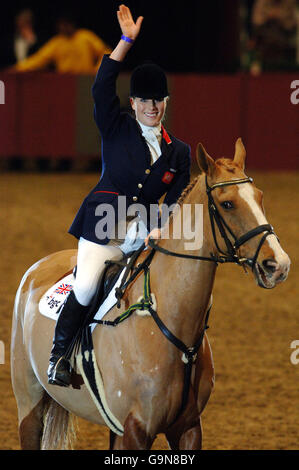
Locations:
{"points": [[60, 372]]}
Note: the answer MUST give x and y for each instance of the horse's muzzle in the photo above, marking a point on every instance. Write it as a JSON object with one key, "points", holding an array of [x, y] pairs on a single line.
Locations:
{"points": [[269, 272]]}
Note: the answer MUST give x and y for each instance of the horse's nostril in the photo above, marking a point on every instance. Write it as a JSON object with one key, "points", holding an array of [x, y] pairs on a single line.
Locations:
{"points": [[270, 265]]}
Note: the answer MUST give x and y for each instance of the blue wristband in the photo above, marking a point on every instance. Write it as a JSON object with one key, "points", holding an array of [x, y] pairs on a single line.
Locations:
{"points": [[125, 38]]}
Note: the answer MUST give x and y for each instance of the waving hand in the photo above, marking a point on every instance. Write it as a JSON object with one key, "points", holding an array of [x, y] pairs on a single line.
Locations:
{"points": [[128, 26]]}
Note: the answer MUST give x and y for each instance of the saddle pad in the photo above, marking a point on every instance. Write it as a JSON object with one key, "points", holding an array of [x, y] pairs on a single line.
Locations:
{"points": [[52, 300], [88, 368]]}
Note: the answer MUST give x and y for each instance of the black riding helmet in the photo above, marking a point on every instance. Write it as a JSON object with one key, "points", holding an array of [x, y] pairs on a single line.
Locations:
{"points": [[148, 81]]}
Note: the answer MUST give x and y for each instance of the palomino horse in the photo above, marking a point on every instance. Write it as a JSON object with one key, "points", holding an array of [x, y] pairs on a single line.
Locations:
{"points": [[142, 369]]}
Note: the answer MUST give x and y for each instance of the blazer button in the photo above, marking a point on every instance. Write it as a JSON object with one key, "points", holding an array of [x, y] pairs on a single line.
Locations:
{"points": [[147, 171], [140, 185], [135, 198]]}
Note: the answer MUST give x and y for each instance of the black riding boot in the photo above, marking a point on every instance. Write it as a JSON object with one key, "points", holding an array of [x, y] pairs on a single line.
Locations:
{"points": [[70, 319]]}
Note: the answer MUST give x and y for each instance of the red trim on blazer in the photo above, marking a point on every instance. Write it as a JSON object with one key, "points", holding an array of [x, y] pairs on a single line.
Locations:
{"points": [[165, 135], [109, 192]]}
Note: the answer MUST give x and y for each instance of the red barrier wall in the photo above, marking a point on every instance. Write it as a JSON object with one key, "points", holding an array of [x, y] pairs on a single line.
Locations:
{"points": [[206, 109], [48, 105], [216, 110], [272, 123], [38, 117], [42, 112], [8, 117]]}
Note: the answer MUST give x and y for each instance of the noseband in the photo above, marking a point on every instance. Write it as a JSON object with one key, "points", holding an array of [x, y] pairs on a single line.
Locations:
{"points": [[215, 217], [231, 256]]}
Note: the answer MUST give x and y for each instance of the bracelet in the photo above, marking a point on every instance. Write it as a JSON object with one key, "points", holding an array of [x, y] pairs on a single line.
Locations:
{"points": [[125, 38]]}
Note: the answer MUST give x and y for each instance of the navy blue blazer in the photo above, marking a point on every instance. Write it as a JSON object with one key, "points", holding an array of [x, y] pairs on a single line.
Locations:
{"points": [[126, 160]]}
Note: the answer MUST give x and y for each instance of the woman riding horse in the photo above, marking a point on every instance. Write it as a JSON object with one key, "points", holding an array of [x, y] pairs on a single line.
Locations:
{"points": [[140, 162]]}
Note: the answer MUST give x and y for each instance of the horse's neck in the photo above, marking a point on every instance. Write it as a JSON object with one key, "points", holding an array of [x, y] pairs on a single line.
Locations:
{"points": [[184, 286]]}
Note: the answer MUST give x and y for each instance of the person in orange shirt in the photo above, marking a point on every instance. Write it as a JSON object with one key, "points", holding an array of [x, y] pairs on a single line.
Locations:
{"points": [[72, 50]]}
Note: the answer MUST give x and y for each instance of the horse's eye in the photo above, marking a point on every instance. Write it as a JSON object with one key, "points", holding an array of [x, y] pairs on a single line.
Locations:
{"points": [[227, 205]]}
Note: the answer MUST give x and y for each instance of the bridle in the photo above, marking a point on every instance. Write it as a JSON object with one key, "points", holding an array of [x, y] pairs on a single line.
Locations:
{"points": [[215, 216], [216, 219]]}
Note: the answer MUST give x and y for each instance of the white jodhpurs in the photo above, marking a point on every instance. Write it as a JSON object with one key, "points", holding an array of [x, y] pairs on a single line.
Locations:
{"points": [[90, 268], [92, 256]]}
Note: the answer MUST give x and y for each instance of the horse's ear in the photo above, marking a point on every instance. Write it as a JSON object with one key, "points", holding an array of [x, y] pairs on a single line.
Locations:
{"points": [[240, 153], [205, 162]]}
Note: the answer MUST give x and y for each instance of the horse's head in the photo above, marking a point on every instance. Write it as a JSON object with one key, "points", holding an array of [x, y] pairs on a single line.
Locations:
{"points": [[241, 230]]}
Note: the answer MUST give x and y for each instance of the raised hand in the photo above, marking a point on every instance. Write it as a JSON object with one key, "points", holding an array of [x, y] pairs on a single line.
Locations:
{"points": [[126, 22]]}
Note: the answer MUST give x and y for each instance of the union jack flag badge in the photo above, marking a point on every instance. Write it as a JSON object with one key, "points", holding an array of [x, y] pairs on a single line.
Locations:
{"points": [[63, 289]]}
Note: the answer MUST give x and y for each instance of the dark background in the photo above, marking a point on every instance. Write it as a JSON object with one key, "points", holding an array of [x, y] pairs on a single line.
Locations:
{"points": [[190, 36]]}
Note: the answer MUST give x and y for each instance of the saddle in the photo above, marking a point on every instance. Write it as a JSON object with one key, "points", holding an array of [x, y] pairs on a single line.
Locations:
{"points": [[110, 277]]}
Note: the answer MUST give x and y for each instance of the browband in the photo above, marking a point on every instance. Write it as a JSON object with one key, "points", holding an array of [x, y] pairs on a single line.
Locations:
{"points": [[228, 183]]}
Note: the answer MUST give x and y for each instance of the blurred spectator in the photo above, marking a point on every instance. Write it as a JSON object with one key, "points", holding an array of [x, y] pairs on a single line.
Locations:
{"points": [[274, 34], [22, 42], [72, 50], [25, 38]]}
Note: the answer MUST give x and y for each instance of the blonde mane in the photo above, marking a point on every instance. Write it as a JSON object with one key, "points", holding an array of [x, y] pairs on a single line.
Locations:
{"points": [[187, 190], [225, 163]]}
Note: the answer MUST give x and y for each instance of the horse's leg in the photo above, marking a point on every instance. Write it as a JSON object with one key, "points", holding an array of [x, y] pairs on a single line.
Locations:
{"points": [[192, 438], [29, 394], [204, 380], [204, 375], [178, 437], [173, 438], [112, 437], [31, 426], [31, 400], [135, 436]]}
